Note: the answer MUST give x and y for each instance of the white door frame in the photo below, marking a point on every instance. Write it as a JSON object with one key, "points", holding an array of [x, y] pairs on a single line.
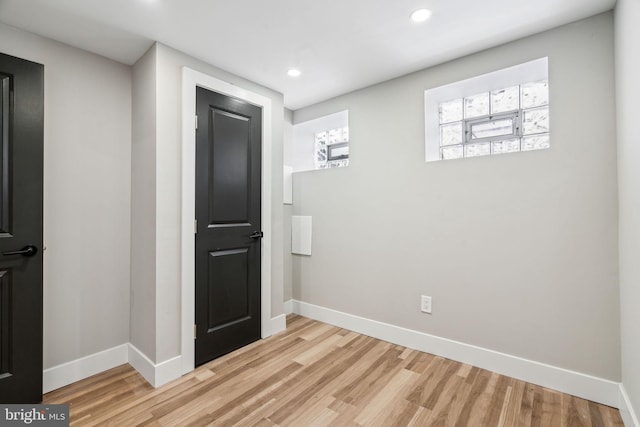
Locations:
{"points": [[190, 80]]}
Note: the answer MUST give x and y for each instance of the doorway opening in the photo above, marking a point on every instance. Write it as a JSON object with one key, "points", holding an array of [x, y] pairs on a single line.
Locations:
{"points": [[192, 79]]}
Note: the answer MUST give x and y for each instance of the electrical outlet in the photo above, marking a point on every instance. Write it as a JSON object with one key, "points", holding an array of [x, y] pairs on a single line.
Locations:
{"points": [[425, 304]]}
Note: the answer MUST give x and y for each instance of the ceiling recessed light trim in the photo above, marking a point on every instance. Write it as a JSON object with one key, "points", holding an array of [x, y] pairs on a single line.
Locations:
{"points": [[421, 15], [294, 72]]}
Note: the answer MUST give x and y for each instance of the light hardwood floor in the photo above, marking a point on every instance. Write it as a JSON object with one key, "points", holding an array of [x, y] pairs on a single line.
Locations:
{"points": [[320, 375]]}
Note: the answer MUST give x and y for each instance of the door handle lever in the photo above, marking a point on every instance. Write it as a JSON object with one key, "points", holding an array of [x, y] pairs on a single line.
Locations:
{"points": [[257, 235], [27, 251]]}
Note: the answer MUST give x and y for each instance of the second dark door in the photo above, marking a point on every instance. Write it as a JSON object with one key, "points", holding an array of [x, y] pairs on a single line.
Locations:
{"points": [[21, 179], [228, 199]]}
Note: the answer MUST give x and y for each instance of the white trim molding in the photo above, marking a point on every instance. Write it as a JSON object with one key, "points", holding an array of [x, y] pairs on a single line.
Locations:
{"points": [[629, 416], [585, 386], [278, 324], [156, 374], [190, 80], [84, 367]]}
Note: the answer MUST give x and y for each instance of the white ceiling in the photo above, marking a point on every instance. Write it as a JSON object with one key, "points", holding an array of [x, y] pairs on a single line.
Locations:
{"points": [[339, 45]]}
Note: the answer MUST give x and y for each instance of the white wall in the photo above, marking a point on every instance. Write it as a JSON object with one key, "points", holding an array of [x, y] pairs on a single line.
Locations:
{"points": [[303, 149], [143, 205], [519, 252], [87, 188], [165, 267], [287, 155], [627, 38]]}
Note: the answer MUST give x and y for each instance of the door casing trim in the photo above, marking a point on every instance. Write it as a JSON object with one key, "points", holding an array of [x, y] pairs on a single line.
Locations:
{"points": [[190, 80]]}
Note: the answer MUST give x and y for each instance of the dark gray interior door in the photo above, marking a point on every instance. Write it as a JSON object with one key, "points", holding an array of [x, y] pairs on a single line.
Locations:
{"points": [[227, 252], [21, 180]]}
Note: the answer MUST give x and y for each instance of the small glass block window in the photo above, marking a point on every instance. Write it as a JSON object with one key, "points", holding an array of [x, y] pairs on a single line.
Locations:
{"points": [[321, 138], [507, 120], [334, 135], [534, 94], [492, 128], [476, 105], [338, 151], [451, 134], [451, 111], [345, 134], [505, 146], [331, 142], [479, 149], [452, 152], [320, 159], [535, 142], [338, 163], [535, 121], [505, 100]]}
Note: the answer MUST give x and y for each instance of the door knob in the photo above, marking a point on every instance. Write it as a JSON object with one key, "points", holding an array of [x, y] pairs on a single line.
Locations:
{"points": [[257, 235], [27, 251]]}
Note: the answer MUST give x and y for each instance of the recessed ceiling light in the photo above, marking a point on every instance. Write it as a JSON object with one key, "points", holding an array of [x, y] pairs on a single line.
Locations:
{"points": [[294, 72], [421, 15]]}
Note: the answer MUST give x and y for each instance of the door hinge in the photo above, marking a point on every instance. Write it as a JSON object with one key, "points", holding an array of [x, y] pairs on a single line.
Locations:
{"points": [[196, 121], [194, 331], [195, 226]]}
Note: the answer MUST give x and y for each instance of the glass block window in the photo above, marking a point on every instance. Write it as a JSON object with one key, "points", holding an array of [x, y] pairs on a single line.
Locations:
{"points": [[476, 105], [332, 148], [507, 120]]}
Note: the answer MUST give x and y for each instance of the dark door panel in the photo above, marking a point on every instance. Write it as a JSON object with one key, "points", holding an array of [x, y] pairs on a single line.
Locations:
{"points": [[228, 287], [21, 180], [228, 192], [229, 197]]}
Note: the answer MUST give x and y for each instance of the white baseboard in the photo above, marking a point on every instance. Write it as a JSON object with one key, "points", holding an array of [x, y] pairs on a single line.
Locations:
{"points": [[168, 371], [288, 307], [574, 383], [278, 324], [79, 369], [156, 374], [629, 416], [76, 370], [142, 364], [586, 386]]}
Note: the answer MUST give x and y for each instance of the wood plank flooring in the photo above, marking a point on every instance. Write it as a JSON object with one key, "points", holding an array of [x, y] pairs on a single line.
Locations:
{"points": [[314, 374]]}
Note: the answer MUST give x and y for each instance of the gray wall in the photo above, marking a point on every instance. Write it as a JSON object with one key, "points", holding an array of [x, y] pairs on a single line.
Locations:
{"points": [[628, 112], [287, 209], [158, 278], [519, 252], [143, 205], [87, 189]]}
